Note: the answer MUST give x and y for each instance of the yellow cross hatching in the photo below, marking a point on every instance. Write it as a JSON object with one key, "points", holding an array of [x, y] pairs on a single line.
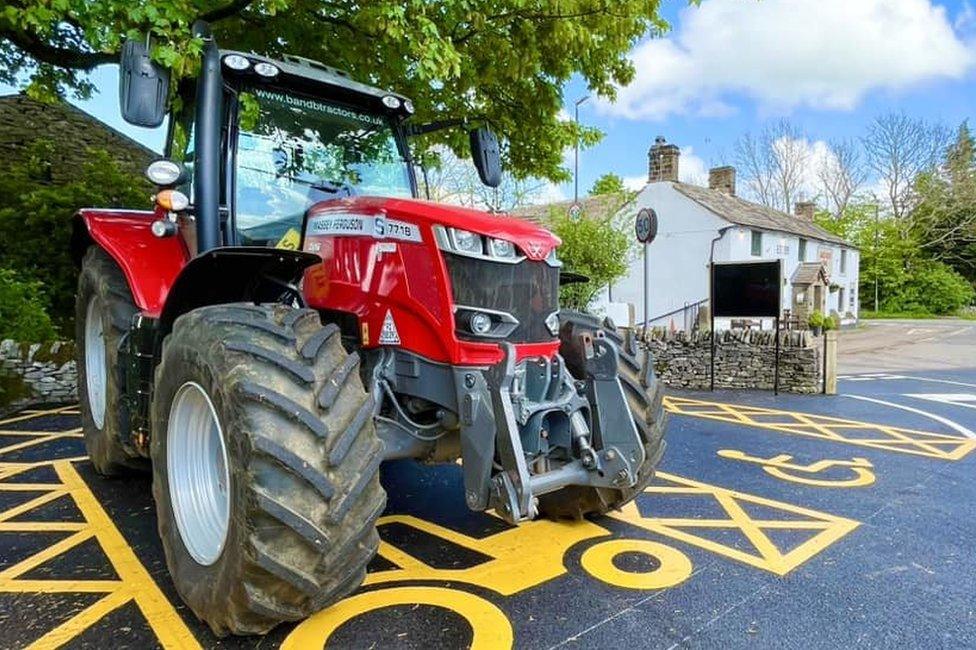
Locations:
{"points": [[133, 584], [852, 432], [819, 529]]}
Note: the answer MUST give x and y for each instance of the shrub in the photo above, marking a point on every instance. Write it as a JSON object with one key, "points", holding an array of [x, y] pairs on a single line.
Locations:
{"points": [[35, 221], [23, 314], [931, 287], [816, 319]]}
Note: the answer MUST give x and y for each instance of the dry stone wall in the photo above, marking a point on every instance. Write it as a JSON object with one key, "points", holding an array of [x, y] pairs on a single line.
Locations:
{"points": [[743, 359], [38, 373]]}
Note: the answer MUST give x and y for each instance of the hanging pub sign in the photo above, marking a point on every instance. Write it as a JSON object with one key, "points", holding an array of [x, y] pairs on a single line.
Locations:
{"points": [[645, 225], [746, 289]]}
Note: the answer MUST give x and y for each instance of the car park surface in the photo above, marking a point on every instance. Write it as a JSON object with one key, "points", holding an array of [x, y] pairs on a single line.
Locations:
{"points": [[789, 521]]}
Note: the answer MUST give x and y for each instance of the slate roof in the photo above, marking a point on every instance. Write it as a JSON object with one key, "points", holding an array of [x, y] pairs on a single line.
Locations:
{"points": [[808, 272], [752, 215]]}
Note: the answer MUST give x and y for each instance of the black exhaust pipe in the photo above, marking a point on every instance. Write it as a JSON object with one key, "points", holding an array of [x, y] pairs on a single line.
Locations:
{"points": [[206, 141]]}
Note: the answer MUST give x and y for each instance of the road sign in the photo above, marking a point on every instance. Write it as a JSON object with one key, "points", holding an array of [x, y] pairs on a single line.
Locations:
{"points": [[646, 225], [574, 211]]}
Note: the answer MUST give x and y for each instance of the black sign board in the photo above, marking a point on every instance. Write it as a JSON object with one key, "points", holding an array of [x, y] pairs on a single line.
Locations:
{"points": [[746, 289], [645, 226]]}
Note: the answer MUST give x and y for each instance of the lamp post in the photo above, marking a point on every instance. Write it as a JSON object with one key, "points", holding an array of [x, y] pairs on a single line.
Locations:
{"points": [[576, 156], [876, 258]]}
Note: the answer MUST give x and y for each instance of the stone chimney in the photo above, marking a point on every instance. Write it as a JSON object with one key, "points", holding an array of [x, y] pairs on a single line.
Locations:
{"points": [[804, 210], [722, 179], [662, 161]]}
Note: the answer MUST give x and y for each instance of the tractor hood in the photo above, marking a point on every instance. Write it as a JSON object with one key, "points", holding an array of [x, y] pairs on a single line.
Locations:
{"points": [[536, 242]]}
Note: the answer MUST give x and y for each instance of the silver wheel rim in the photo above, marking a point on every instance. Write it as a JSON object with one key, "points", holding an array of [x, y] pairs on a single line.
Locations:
{"points": [[199, 483], [95, 362]]}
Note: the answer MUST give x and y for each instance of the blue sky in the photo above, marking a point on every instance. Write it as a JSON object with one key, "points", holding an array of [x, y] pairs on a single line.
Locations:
{"points": [[729, 66]]}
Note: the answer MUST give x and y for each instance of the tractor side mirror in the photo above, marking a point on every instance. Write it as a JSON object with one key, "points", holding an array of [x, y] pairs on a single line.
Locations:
{"points": [[486, 157], [143, 86]]}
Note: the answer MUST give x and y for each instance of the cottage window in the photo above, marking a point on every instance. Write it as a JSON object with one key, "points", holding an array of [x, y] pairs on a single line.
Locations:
{"points": [[802, 251], [843, 261], [756, 243]]}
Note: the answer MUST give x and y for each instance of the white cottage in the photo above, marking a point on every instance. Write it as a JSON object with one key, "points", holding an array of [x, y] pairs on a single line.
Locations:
{"points": [[696, 224]]}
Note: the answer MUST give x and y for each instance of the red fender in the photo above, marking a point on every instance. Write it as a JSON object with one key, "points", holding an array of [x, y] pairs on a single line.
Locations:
{"points": [[150, 263]]}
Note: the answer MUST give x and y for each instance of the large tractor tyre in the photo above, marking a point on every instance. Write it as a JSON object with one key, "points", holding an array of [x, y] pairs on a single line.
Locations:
{"points": [[644, 396], [265, 465], [103, 311]]}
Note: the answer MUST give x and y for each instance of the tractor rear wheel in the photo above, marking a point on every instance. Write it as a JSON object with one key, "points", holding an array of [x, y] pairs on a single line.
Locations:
{"points": [[265, 465], [103, 311], [644, 396]]}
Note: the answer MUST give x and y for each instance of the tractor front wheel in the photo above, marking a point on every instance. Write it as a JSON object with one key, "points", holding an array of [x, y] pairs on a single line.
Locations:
{"points": [[103, 311], [265, 465], [644, 397]]}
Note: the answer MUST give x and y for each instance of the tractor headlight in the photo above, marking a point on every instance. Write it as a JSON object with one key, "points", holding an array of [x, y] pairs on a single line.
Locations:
{"points": [[501, 248], [237, 62], [480, 323], [267, 70], [467, 242]]}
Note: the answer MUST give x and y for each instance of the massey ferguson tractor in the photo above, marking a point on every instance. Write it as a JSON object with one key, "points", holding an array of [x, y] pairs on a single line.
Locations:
{"points": [[289, 316]]}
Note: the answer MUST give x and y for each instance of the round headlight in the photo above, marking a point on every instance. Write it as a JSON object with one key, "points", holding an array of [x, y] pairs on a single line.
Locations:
{"points": [[237, 62], [480, 323], [164, 172], [408, 106], [391, 102], [502, 248], [266, 69], [467, 242]]}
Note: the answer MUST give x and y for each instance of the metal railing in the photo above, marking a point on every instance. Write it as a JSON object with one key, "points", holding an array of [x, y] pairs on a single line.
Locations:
{"points": [[686, 317]]}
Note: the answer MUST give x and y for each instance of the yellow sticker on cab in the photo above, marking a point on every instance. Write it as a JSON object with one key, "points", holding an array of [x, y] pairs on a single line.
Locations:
{"points": [[290, 240]]}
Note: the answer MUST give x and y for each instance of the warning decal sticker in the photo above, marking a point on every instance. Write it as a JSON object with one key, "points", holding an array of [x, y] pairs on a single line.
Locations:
{"points": [[389, 334]]}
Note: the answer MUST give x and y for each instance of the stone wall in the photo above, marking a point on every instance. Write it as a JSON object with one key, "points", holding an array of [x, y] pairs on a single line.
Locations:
{"points": [[743, 359], [36, 373]]}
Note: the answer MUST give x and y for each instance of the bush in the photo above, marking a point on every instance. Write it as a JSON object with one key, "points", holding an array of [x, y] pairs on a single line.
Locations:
{"points": [[931, 287], [35, 221], [816, 319], [23, 314]]}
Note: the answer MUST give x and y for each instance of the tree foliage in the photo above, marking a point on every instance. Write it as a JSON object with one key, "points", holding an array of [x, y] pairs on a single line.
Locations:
{"points": [[908, 280], [944, 219], [35, 221], [593, 247], [608, 184], [501, 60], [23, 315]]}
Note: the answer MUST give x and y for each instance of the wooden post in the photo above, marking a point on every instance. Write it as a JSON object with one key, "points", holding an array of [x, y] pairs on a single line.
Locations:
{"points": [[830, 362]]}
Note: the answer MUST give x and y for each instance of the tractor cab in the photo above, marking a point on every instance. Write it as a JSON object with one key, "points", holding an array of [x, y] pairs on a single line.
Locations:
{"points": [[296, 133]]}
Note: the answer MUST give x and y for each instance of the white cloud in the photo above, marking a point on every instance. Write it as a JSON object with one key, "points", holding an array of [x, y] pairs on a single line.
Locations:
{"points": [[825, 54]]}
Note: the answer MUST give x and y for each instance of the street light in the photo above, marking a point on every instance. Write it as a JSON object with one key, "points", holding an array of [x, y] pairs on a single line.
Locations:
{"points": [[576, 157]]}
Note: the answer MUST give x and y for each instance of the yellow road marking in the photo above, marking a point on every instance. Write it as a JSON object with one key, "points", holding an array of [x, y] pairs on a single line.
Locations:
{"points": [[490, 628], [876, 436], [782, 467], [62, 410], [521, 557], [134, 583], [764, 554], [674, 566]]}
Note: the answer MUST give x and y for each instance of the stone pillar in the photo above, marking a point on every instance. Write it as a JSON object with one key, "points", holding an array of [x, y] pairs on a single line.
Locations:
{"points": [[830, 361]]}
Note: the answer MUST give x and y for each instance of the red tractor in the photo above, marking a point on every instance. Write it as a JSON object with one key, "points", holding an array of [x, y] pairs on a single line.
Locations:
{"points": [[269, 343]]}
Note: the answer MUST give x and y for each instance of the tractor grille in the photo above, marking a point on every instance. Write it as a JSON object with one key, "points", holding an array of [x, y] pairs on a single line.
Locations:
{"points": [[529, 291]]}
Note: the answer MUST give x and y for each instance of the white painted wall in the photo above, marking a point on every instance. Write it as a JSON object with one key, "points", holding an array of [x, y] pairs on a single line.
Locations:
{"points": [[679, 259]]}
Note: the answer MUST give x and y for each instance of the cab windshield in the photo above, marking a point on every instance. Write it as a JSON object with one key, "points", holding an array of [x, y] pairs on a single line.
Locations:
{"points": [[294, 151]]}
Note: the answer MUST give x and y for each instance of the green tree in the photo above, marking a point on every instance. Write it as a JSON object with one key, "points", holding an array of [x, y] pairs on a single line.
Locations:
{"points": [[592, 247], [944, 219], [504, 61], [608, 184], [36, 221], [23, 315]]}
